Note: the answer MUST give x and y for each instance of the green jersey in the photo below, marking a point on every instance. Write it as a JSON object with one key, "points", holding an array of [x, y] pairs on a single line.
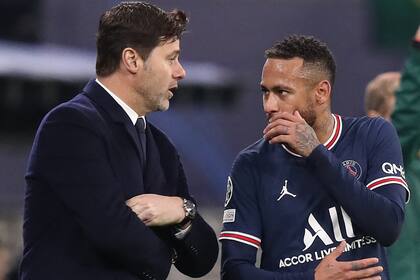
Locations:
{"points": [[405, 253]]}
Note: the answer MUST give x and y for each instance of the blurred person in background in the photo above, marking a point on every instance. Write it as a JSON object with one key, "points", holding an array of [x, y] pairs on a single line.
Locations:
{"points": [[8, 264], [314, 180], [380, 95], [404, 90], [5, 261], [106, 195]]}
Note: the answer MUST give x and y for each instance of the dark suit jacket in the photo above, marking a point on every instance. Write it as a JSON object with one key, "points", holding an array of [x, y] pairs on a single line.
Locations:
{"points": [[84, 164]]}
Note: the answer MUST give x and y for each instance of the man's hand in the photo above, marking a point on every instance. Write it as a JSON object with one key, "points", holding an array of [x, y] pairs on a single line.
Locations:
{"points": [[330, 268], [291, 129], [157, 210], [417, 35]]}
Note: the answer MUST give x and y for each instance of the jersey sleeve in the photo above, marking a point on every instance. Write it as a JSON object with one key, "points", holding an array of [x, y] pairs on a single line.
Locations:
{"points": [[376, 206], [385, 173], [241, 218], [242, 229]]}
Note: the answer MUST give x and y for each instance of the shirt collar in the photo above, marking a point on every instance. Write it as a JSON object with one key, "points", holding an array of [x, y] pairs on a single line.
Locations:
{"points": [[127, 109]]}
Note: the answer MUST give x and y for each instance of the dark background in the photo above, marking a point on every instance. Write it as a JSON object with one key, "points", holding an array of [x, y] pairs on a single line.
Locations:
{"points": [[47, 53]]}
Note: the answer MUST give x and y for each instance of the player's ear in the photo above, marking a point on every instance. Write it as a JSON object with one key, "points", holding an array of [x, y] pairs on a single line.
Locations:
{"points": [[323, 92]]}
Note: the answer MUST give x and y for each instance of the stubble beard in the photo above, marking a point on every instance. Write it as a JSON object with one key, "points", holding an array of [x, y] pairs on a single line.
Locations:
{"points": [[308, 114], [158, 102], [153, 101]]}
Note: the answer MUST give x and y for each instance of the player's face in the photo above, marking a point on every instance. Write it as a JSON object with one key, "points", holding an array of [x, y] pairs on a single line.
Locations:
{"points": [[286, 89], [159, 76]]}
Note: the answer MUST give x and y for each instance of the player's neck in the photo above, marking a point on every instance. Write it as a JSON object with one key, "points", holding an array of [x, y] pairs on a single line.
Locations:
{"points": [[324, 126]]}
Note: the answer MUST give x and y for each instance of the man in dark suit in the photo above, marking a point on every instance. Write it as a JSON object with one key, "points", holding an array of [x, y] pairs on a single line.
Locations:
{"points": [[106, 194]]}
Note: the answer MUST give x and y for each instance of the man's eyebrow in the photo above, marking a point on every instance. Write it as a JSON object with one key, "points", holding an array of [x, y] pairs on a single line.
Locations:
{"points": [[176, 53], [282, 87], [277, 88]]}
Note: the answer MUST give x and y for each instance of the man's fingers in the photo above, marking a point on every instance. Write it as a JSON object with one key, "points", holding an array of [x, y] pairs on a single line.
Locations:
{"points": [[278, 130], [275, 116], [276, 123], [135, 200], [139, 208], [131, 202], [283, 115], [338, 250], [279, 139], [281, 121], [372, 278], [417, 36], [279, 127], [297, 115], [366, 272], [363, 268], [145, 216], [360, 264]]}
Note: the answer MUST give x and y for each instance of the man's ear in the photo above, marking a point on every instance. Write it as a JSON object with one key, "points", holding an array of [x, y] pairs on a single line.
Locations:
{"points": [[131, 60], [323, 92]]}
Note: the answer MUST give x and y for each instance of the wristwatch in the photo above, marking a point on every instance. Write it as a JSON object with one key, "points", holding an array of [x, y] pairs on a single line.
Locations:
{"points": [[190, 209]]}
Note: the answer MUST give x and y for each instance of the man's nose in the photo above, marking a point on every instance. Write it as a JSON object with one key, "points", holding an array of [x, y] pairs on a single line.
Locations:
{"points": [[179, 72], [270, 103]]}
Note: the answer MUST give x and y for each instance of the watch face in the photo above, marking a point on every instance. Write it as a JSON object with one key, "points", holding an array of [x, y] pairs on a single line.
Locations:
{"points": [[190, 209]]}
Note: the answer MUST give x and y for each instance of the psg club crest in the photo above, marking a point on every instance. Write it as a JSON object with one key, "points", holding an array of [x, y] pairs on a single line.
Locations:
{"points": [[353, 167], [229, 191]]}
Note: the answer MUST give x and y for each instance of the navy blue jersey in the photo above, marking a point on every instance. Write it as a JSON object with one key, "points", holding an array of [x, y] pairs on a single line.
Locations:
{"points": [[297, 210]]}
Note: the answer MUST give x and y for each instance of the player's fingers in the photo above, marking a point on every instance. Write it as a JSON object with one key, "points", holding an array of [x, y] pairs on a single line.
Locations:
{"points": [[275, 131], [278, 122], [365, 273], [371, 278], [280, 115], [360, 264], [294, 117], [338, 250], [280, 139], [297, 115]]}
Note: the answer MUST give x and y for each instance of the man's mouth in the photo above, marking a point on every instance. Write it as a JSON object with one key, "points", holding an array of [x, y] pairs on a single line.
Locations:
{"points": [[172, 91]]}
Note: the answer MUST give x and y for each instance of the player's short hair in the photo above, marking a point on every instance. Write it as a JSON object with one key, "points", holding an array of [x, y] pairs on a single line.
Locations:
{"points": [[379, 90], [139, 25], [315, 54]]}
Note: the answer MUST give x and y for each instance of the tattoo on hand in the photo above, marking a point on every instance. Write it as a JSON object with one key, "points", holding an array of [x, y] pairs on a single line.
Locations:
{"points": [[306, 139]]}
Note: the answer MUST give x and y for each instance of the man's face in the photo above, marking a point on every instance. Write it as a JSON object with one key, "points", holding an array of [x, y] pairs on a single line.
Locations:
{"points": [[389, 107], [286, 88], [159, 76]]}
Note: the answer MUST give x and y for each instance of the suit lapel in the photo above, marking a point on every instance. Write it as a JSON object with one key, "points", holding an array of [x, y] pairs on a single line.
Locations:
{"points": [[99, 95], [154, 180]]}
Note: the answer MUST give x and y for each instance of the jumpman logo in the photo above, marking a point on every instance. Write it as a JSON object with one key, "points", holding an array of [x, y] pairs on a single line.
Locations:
{"points": [[284, 191]]}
